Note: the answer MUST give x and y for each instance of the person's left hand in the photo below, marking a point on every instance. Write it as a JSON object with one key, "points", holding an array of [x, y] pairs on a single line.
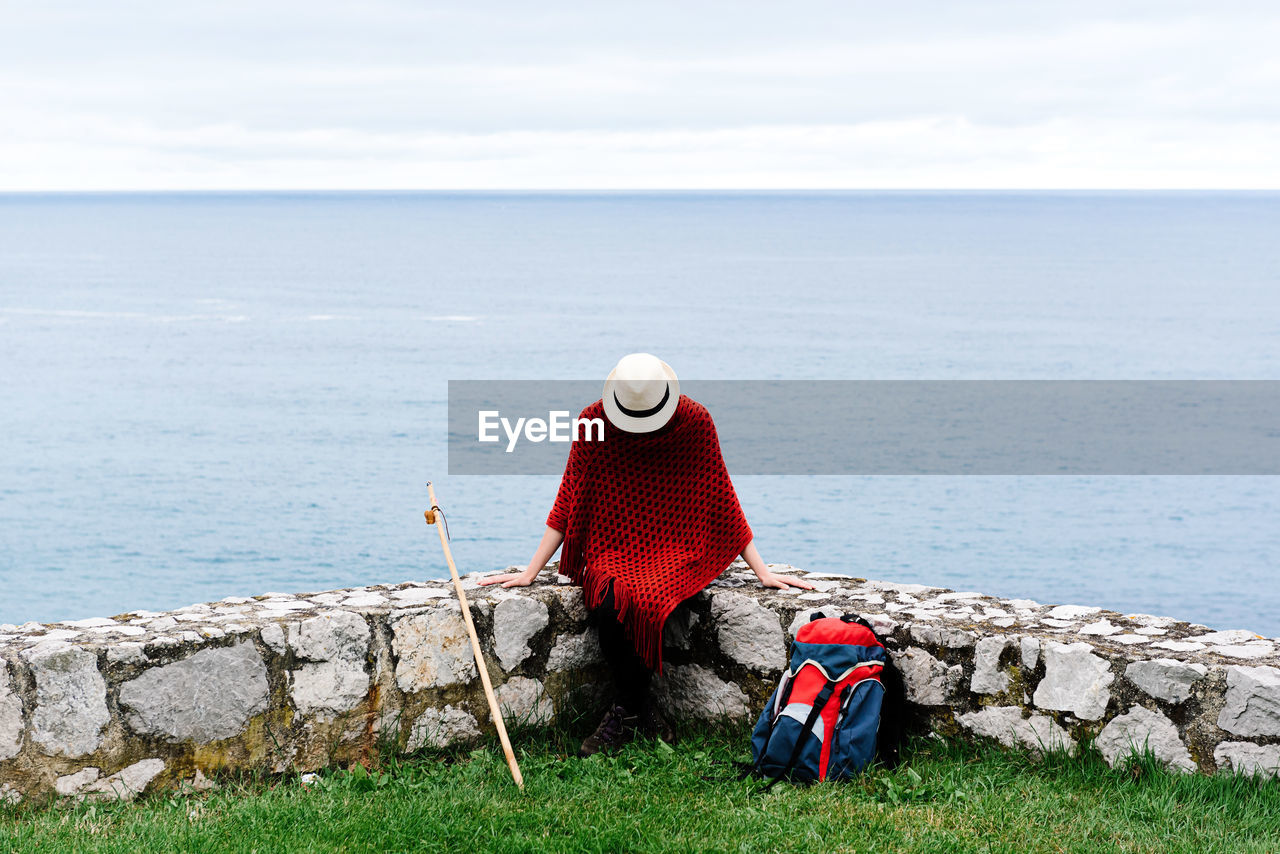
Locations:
{"points": [[782, 582]]}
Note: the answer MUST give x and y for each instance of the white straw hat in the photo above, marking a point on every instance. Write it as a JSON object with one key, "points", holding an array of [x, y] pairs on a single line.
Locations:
{"points": [[641, 393]]}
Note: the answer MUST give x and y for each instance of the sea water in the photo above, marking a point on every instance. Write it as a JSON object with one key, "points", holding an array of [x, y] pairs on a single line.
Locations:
{"points": [[205, 395]]}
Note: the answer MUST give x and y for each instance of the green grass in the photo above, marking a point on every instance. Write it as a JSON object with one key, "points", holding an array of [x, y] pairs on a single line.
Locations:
{"points": [[945, 797]]}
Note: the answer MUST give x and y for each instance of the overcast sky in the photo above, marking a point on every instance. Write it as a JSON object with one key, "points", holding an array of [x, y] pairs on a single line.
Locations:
{"points": [[550, 94]]}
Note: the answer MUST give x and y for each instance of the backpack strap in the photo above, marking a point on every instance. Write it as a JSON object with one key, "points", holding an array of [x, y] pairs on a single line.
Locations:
{"points": [[814, 713], [780, 704]]}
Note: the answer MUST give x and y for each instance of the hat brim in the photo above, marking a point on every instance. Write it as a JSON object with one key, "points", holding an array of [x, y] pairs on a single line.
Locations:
{"points": [[649, 423]]}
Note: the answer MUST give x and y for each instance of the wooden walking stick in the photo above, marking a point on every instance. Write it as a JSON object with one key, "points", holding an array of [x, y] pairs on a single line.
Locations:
{"points": [[431, 516]]}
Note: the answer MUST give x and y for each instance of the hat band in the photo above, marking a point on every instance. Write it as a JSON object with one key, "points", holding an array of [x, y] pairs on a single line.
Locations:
{"points": [[644, 413]]}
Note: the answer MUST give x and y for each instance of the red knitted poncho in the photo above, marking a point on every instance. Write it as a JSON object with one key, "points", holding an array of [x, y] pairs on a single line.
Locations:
{"points": [[655, 513]]}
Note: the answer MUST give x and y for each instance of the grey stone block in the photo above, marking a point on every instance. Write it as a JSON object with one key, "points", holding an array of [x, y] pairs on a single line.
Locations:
{"points": [[987, 676], [515, 622], [1165, 678], [1075, 680], [1008, 725], [574, 651], [1141, 729], [748, 633], [11, 721], [126, 784], [442, 728], [524, 701], [207, 696], [71, 699], [1030, 650], [695, 692], [1253, 701], [928, 681], [335, 644], [1245, 757], [432, 649]]}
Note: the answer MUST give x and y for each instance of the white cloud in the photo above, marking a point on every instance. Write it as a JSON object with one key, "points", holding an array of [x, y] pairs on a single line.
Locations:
{"points": [[703, 95], [941, 152]]}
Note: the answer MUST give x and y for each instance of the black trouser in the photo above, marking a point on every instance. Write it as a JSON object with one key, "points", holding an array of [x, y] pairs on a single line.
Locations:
{"points": [[630, 673]]}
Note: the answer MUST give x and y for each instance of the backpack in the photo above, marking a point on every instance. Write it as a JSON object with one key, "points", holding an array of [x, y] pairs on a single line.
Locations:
{"points": [[823, 721]]}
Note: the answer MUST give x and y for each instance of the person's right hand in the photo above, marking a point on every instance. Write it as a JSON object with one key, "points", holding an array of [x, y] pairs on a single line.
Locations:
{"points": [[511, 579]]}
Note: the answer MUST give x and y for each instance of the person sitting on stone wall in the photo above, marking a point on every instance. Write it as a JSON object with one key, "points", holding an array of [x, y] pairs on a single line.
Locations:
{"points": [[648, 517]]}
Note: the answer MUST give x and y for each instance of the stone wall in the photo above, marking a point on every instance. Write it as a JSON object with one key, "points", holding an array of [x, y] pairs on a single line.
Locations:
{"points": [[148, 700]]}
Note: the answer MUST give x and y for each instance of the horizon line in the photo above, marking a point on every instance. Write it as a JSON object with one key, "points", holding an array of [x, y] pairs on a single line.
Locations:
{"points": [[636, 191]]}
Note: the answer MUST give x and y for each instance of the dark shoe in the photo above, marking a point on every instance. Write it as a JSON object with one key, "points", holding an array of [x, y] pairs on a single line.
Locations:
{"points": [[616, 729], [655, 725]]}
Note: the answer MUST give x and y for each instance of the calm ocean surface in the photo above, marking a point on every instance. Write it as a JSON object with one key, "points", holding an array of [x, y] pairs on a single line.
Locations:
{"points": [[208, 395]]}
